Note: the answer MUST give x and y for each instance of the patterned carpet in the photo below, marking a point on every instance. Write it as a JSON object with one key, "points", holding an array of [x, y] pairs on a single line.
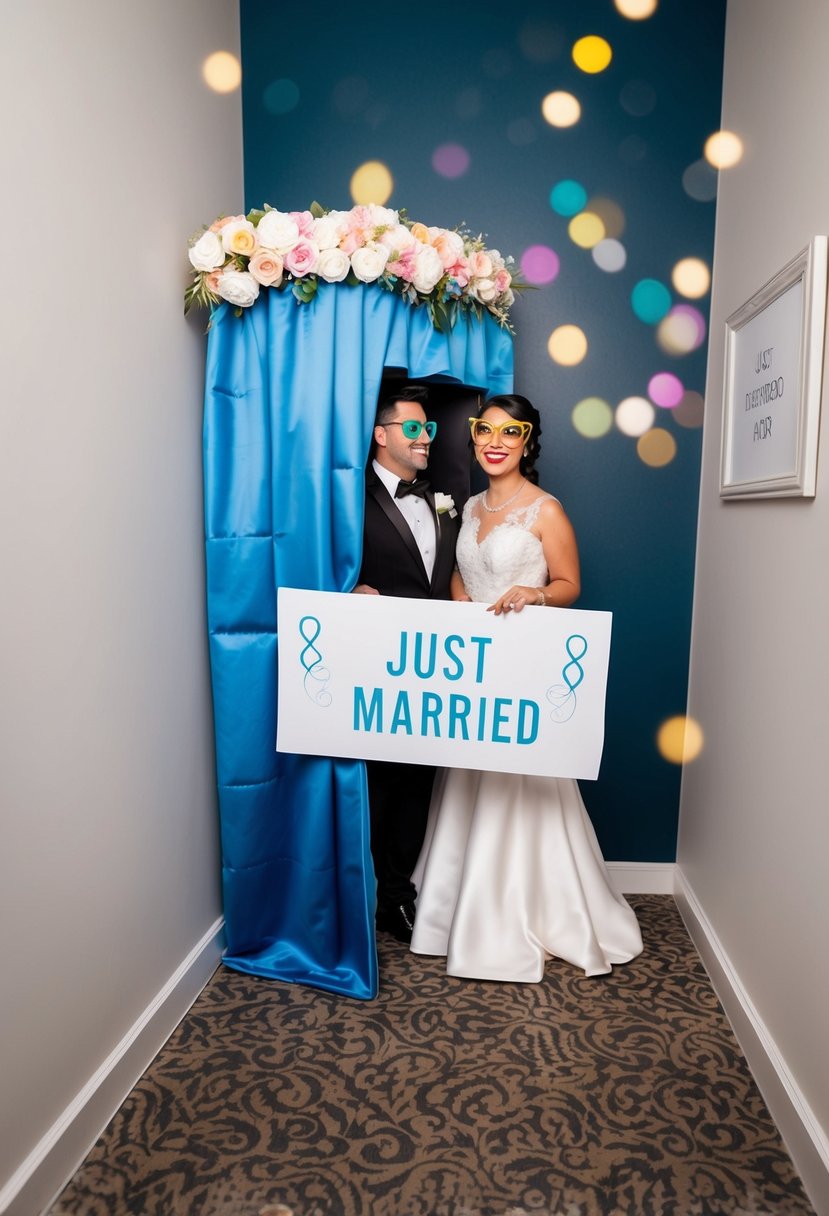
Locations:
{"points": [[624, 1095]]}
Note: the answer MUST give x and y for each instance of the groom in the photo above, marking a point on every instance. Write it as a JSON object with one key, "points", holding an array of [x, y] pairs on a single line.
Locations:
{"points": [[408, 550]]}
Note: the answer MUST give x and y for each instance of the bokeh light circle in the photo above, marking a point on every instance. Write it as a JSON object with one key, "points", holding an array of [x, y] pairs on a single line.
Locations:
{"points": [[609, 255], [723, 149], [450, 160], [690, 411], [610, 213], [665, 390], [638, 98], [632, 150], [567, 345], [222, 72], [680, 739], [636, 10], [691, 277], [592, 417], [469, 102], [586, 230], [650, 300], [682, 330], [634, 416], [568, 197], [699, 181], [592, 54], [280, 96], [540, 41], [521, 131], [561, 109], [540, 264], [372, 182], [656, 448]]}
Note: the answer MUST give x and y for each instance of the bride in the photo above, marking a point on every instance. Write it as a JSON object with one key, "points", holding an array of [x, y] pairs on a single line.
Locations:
{"points": [[510, 873]]}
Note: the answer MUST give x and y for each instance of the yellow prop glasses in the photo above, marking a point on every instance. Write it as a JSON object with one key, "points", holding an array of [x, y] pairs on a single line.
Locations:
{"points": [[511, 434]]}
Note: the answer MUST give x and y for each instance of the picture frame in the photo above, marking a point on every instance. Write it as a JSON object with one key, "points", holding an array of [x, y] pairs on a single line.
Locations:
{"points": [[773, 383]]}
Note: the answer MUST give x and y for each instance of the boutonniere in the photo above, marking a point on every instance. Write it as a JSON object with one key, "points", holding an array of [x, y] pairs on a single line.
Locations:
{"points": [[445, 502]]}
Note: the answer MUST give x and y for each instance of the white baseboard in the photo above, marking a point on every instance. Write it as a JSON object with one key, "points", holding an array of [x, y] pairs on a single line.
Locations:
{"points": [[39, 1179], [802, 1134], [642, 877]]}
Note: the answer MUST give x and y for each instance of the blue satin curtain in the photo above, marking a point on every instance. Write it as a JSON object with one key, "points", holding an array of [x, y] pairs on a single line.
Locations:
{"points": [[290, 397]]}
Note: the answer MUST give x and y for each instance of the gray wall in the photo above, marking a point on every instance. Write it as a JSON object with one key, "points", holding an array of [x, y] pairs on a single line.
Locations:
{"points": [[754, 831], [113, 153]]}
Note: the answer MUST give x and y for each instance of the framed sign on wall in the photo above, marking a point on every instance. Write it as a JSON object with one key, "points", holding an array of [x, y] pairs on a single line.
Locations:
{"points": [[773, 378]]}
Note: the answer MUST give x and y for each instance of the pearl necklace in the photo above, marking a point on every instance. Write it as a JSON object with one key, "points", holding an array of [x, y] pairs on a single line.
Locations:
{"points": [[506, 501]]}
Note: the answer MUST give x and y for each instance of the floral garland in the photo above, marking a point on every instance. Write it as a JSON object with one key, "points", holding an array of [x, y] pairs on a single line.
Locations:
{"points": [[447, 270]]}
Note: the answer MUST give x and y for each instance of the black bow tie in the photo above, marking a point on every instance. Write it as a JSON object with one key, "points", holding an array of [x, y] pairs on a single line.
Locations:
{"points": [[419, 487]]}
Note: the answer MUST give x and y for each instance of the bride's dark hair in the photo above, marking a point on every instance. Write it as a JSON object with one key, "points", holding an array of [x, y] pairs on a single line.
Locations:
{"points": [[521, 410]]}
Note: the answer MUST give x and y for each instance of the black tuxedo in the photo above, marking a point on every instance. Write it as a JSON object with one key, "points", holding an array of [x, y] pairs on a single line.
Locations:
{"points": [[391, 559], [399, 794]]}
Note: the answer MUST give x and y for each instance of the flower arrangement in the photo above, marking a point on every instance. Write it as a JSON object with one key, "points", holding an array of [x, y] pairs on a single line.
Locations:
{"points": [[447, 270]]}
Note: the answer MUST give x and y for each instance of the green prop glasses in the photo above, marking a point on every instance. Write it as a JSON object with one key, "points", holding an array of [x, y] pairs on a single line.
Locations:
{"points": [[511, 434], [412, 428]]}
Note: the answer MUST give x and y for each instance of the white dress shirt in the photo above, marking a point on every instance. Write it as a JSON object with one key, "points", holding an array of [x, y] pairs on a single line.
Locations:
{"points": [[415, 510]]}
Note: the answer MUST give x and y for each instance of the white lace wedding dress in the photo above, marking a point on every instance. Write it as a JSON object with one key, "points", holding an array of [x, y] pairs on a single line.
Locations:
{"points": [[511, 873]]}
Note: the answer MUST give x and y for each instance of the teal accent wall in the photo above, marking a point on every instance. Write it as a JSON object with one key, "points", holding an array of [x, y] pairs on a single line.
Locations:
{"points": [[328, 89]]}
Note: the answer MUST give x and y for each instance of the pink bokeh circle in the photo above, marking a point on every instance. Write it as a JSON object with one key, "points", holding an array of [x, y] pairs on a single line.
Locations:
{"points": [[540, 264], [666, 390], [450, 160]]}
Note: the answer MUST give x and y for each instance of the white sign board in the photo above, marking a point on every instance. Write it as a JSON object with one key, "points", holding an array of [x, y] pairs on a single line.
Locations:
{"points": [[434, 682]]}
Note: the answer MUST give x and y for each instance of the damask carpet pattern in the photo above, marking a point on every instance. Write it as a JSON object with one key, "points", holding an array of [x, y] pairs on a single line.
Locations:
{"points": [[624, 1095]]}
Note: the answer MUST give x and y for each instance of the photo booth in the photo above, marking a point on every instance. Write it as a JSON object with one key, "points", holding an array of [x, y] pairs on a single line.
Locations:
{"points": [[290, 397]]}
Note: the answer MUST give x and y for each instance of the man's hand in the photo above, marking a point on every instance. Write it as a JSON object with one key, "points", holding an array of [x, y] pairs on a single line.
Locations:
{"points": [[364, 589]]}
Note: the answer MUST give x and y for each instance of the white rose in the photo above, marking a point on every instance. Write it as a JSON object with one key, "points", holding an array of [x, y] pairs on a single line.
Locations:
{"points": [[329, 230], [369, 262], [484, 290], [428, 269], [382, 217], [445, 502], [208, 252], [238, 287], [278, 231], [333, 265], [398, 238]]}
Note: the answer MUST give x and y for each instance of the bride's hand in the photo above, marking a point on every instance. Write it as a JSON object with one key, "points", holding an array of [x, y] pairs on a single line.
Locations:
{"points": [[514, 600]]}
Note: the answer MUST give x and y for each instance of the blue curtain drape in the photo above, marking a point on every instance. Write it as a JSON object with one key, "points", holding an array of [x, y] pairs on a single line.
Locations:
{"points": [[290, 397]]}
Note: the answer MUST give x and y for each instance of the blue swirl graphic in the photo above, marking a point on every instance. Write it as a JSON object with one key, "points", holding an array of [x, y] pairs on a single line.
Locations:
{"points": [[562, 697], [311, 660]]}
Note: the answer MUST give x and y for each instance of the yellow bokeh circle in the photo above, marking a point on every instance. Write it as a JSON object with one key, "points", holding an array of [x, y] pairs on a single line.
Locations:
{"points": [[371, 183], [691, 278], [586, 230], [680, 739], [636, 10], [592, 54], [677, 334], [567, 345], [723, 149], [656, 447], [561, 109], [222, 72], [592, 417]]}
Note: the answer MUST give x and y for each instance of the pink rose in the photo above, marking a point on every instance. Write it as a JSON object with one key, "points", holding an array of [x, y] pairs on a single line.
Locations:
{"points": [[218, 225], [460, 272], [266, 267], [502, 280], [402, 263], [302, 259], [351, 242], [304, 222]]}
